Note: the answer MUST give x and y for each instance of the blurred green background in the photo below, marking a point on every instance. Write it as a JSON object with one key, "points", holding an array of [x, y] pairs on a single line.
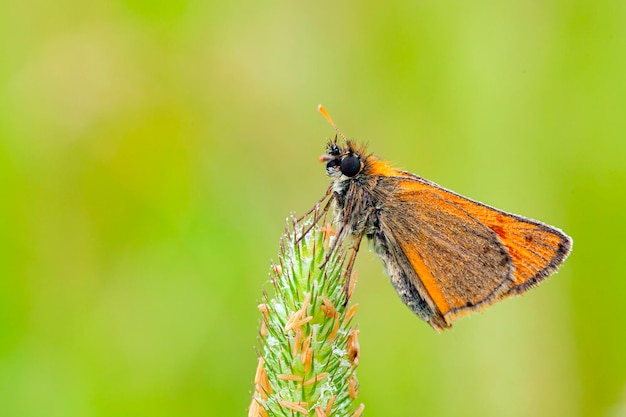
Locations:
{"points": [[151, 151]]}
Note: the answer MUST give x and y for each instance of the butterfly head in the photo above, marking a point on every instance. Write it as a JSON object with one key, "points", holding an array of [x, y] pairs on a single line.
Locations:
{"points": [[345, 160]]}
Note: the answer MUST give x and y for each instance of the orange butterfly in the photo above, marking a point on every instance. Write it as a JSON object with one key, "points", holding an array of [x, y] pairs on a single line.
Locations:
{"points": [[446, 255]]}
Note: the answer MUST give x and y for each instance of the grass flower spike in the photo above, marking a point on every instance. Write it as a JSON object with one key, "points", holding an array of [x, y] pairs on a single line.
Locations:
{"points": [[309, 348]]}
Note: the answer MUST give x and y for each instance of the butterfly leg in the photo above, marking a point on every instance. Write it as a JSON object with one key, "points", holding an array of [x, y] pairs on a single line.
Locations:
{"points": [[348, 278]]}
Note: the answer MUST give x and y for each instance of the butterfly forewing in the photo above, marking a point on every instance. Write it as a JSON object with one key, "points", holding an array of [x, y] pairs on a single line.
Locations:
{"points": [[465, 254]]}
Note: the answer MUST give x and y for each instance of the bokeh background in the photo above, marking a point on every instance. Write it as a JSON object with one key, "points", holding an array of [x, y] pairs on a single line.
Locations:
{"points": [[151, 151]]}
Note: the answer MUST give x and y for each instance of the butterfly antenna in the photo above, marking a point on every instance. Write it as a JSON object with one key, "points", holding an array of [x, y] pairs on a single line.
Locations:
{"points": [[324, 113]]}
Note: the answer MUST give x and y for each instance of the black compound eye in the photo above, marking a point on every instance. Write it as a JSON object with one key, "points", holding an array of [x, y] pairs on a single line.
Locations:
{"points": [[350, 166]]}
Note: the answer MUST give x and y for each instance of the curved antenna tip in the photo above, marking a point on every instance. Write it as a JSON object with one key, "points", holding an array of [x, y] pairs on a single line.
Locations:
{"points": [[322, 110]]}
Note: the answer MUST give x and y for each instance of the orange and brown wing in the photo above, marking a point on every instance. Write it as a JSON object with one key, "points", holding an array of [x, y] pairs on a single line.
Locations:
{"points": [[466, 255]]}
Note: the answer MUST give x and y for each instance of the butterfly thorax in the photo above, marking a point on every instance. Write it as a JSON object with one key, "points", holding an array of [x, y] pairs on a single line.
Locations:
{"points": [[355, 191]]}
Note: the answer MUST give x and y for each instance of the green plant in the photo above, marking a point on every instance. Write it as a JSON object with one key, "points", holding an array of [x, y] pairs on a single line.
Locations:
{"points": [[309, 348]]}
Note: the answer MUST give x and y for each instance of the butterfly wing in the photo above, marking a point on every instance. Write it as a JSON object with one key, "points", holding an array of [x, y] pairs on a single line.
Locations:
{"points": [[459, 254]]}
